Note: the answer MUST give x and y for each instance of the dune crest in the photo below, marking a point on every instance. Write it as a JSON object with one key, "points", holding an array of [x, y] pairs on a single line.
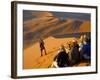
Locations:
{"points": [[42, 14], [52, 26]]}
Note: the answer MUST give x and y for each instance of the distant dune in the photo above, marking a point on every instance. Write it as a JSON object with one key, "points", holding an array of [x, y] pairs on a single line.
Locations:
{"points": [[45, 24], [42, 14]]}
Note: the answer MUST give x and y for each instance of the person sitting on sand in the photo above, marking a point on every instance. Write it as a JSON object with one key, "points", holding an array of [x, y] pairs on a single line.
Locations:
{"points": [[42, 47], [86, 50], [68, 49], [81, 42], [61, 59], [75, 54]]}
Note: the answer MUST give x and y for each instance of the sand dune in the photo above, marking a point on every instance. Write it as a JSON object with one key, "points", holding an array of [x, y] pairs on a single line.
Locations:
{"points": [[30, 24], [32, 55], [85, 27], [38, 24], [42, 14], [54, 31], [52, 26]]}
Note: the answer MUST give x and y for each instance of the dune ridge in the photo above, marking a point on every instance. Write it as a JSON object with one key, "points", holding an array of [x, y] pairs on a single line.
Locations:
{"points": [[51, 26]]}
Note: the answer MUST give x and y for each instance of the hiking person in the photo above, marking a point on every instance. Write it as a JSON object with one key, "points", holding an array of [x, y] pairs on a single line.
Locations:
{"points": [[42, 47]]}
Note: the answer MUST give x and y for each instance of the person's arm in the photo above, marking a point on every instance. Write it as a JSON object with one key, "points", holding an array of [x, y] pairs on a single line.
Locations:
{"points": [[55, 64], [55, 58]]}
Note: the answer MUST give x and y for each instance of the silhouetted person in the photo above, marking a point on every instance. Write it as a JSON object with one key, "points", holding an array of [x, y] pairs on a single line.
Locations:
{"points": [[75, 54], [42, 47], [62, 58]]}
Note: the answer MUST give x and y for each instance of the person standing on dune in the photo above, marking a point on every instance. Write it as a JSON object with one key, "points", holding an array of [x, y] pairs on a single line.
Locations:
{"points": [[42, 47]]}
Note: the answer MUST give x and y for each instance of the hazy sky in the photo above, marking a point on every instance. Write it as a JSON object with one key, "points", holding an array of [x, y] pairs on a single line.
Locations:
{"points": [[27, 14]]}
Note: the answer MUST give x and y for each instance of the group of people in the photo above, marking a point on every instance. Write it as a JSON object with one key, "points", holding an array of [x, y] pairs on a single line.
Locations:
{"points": [[73, 53]]}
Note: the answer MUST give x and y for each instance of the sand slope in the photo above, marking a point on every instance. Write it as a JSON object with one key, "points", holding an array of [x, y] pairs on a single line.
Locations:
{"points": [[32, 55]]}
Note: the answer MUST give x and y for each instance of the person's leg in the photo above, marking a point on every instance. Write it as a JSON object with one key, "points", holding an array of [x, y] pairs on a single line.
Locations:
{"points": [[41, 52], [45, 51]]}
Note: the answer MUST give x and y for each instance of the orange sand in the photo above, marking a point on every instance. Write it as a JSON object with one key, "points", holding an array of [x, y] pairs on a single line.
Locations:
{"points": [[32, 55]]}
